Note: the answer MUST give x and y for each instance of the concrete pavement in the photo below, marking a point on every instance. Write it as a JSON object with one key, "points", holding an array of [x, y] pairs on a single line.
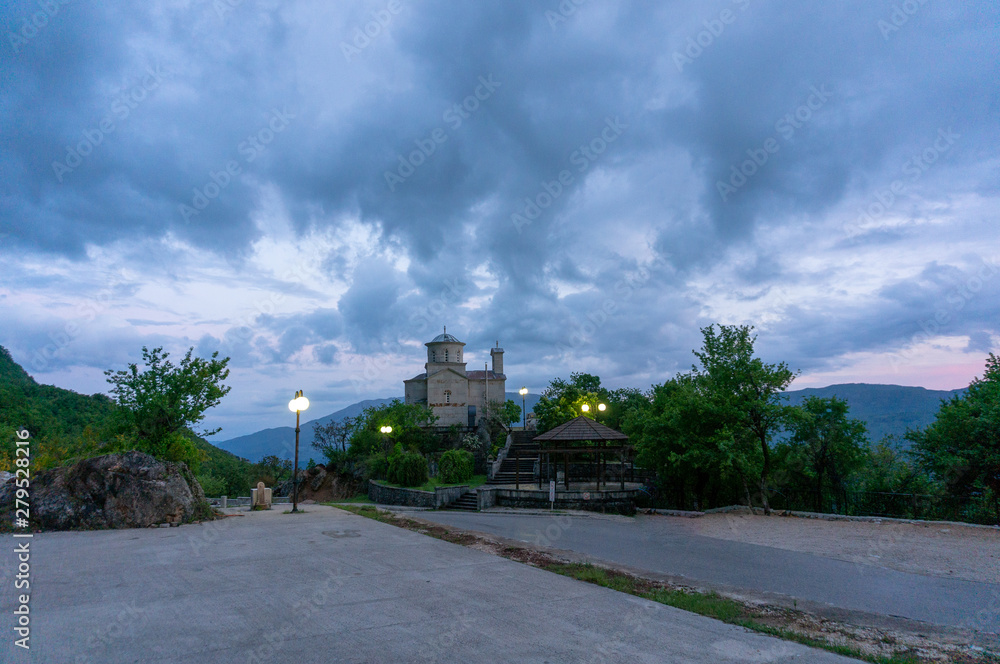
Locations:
{"points": [[661, 545], [328, 586]]}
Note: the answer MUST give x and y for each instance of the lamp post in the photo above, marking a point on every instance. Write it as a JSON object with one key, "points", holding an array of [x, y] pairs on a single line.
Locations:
{"points": [[524, 412], [298, 404], [386, 430], [601, 408]]}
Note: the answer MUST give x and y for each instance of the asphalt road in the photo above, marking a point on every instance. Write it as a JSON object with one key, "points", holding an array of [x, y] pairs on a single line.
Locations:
{"points": [[660, 545], [328, 586]]}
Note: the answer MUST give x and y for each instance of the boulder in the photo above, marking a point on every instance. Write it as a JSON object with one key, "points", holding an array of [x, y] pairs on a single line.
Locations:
{"points": [[321, 485], [126, 490]]}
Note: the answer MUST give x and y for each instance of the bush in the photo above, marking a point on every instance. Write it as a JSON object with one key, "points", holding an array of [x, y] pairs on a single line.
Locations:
{"points": [[375, 467], [407, 468], [212, 486], [455, 467]]}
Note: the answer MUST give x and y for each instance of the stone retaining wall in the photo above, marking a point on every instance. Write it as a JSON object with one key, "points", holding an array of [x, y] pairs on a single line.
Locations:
{"points": [[390, 495], [622, 502]]}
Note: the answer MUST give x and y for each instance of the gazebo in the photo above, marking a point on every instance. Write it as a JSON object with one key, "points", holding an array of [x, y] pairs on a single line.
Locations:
{"points": [[571, 438]]}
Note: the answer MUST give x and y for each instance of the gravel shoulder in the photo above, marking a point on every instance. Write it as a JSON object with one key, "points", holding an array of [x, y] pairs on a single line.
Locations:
{"points": [[938, 549]]}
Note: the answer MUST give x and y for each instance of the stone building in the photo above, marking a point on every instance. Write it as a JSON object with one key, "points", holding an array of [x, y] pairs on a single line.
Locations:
{"points": [[455, 395]]}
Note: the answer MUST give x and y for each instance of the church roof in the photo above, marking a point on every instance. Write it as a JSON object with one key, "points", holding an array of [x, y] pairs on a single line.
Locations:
{"points": [[481, 375], [445, 338], [422, 376], [579, 429]]}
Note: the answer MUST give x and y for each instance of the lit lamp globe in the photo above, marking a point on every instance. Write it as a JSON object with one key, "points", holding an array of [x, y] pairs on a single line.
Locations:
{"points": [[523, 391], [585, 408], [601, 407], [297, 404], [386, 429]]}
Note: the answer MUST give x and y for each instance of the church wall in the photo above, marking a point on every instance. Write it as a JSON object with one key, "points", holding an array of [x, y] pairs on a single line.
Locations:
{"points": [[455, 412], [416, 391], [477, 392]]}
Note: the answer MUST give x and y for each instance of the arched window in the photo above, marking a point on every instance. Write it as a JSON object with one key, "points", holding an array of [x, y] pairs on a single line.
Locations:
{"points": [[434, 356], [447, 396], [459, 356], [445, 355]]}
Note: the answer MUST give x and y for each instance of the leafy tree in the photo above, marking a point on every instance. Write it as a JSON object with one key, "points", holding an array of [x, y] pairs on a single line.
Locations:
{"points": [[158, 405], [746, 392], [332, 438], [561, 400], [507, 413], [962, 447], [888, 468], [825, 445], [621, 404]]}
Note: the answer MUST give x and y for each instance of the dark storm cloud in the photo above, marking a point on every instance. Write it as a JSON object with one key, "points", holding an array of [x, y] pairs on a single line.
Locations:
{"points": [[630, 135]]}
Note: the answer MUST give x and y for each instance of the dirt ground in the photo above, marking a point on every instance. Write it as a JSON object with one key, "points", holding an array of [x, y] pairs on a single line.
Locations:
{"points": [[937, 549]]}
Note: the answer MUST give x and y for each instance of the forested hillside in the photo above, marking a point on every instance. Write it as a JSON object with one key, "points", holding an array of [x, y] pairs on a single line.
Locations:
{"points": [[65, 426]]}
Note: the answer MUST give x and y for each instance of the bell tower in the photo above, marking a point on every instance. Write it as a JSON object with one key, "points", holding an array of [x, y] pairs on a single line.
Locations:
{"points": [[496, 354]]}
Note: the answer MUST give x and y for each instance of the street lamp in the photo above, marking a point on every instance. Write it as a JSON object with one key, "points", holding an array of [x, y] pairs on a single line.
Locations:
{"points": [[298, 404], [586, 407], [386, 430], [523, 391]]}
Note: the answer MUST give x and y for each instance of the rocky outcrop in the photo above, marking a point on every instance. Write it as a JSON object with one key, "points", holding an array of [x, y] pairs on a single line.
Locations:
{"points": [[128, 490], [321, 485]]}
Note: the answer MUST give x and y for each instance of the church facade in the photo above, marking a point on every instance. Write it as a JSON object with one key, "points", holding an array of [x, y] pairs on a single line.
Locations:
{"points": [[455, 395]]}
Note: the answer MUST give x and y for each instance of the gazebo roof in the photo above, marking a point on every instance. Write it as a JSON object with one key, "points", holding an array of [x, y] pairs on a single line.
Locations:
{"points": [[579, 429]]}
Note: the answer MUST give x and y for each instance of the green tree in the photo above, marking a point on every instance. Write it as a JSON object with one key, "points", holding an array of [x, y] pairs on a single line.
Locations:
{"points": [[962, 447], [507, 413], [680, 438], [158, 405], [889, 468], [332, 439], [746, 392], [825, 446], [622, 403], [561, 400]]}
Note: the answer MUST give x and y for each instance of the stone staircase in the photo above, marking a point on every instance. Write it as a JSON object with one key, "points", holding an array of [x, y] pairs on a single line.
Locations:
{"points": [[523, 444], [466, 503]]}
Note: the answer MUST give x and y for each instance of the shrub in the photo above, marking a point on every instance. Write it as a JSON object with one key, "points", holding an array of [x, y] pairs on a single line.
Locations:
{"points": [[407, 468], [455, 466], [375, 467], [211, 485]]}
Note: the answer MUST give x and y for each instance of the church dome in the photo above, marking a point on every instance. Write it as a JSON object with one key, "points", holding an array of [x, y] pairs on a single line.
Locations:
{"points": [[445, 338]]}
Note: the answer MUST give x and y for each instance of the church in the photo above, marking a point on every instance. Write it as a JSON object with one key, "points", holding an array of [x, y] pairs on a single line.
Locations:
{"points": [[455, 395]]}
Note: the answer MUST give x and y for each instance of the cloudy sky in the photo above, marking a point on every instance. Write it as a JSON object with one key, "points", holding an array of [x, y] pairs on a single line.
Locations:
{"points": [[315, 188]]}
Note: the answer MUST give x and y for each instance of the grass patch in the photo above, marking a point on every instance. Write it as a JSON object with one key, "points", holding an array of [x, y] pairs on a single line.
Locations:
{"points": [[431, 484], [361, 498], [715, 606]]}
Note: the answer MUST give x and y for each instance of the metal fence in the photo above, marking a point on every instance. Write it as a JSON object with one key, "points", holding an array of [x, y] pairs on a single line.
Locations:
{"points": [[971, 509], [968, 509]]}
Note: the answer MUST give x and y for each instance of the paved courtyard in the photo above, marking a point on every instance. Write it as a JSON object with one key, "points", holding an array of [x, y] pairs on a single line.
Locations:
{"points": [[328, 586]]}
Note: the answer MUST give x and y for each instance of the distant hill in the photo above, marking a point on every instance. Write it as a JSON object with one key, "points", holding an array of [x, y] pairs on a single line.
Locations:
{"points": [[885, 409], [280, 441]]}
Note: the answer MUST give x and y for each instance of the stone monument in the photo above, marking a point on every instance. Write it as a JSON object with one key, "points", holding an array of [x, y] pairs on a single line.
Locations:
{"points": [[260, 498]]}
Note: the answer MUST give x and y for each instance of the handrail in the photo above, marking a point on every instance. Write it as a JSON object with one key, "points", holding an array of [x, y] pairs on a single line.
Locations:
{"points": [[501, 455]]}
